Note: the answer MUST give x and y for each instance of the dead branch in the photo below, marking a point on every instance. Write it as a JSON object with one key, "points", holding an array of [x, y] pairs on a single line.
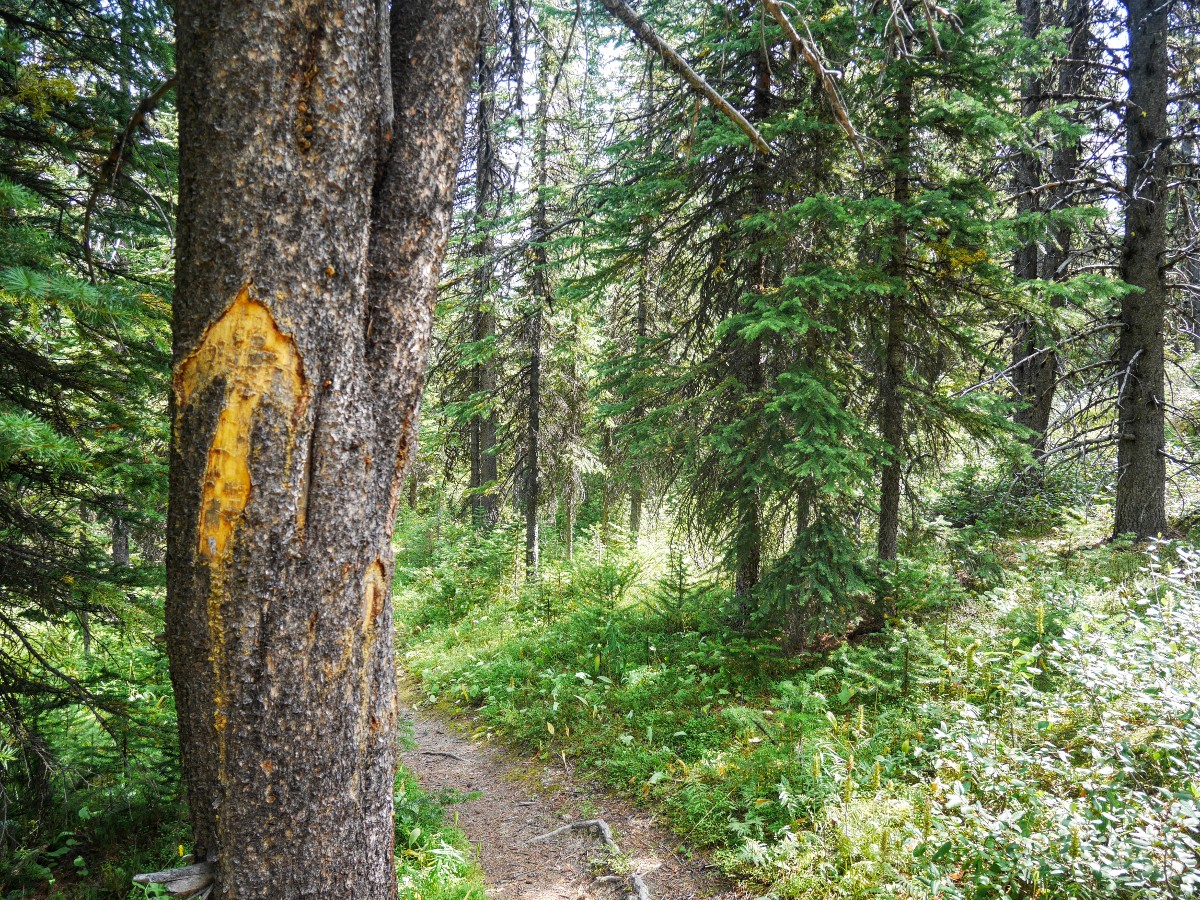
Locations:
{"points": [[807, 49], [188, 881], [444, 753], [647, 35], [112, 165]]}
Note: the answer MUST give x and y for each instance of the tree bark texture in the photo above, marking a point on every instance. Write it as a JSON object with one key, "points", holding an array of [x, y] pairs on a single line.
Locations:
{"points": [[120, 542], [318, 146], [748, 371], [1141, 467], [891, 420]]}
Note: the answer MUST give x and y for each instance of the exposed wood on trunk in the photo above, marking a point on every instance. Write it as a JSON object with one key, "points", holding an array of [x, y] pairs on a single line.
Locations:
{"points": [[1141, 466], [299, 352]]}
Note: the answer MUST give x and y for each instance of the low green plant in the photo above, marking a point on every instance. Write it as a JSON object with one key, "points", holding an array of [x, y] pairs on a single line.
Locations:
{"points": [[811, 774]]}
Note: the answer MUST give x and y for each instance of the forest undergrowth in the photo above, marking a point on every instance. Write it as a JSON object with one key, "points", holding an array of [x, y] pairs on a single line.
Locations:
{"points": [[110, 805], [1025, 725]]}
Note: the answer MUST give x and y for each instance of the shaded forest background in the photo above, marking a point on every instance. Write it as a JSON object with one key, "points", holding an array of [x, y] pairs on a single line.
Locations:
{"points": [[875, 451]]}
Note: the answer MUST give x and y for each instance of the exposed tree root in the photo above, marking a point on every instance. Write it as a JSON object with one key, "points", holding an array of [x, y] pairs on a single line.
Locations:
{"points": [[634, 883], [597, 825]]}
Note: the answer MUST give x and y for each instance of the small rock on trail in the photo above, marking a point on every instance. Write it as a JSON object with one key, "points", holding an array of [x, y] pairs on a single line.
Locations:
{"points": [[516, 801]]}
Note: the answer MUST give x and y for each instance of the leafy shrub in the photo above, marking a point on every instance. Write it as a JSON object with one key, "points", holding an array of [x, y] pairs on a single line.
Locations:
{"points": [[1078, 773]]}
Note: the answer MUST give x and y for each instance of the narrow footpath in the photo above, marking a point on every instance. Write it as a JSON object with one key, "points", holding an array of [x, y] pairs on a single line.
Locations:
{"points": [[513, 801]]}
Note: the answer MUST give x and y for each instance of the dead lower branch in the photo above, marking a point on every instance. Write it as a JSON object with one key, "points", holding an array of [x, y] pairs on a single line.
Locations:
{"points": [[648, 36], [111, 166], [806, 47]]}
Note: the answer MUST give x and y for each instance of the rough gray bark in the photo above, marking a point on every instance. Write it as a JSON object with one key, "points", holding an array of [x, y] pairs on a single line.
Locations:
{"points": [[1141, 467], [318, 145], [891, 417], [120, 542]]}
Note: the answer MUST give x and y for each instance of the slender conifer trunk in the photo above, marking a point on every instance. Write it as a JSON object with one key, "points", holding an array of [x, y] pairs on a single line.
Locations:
{"points": [[1141, 466], [540, 298], [484, 503], [1035, 359], [894, 361], [639, 412]]}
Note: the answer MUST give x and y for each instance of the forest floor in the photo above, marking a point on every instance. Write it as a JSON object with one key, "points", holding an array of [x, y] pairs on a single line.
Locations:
{"points": [[502, 803]]}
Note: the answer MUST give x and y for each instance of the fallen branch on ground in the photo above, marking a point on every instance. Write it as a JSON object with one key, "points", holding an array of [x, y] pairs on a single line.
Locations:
{"points": [[444, 753], [188, 881]]}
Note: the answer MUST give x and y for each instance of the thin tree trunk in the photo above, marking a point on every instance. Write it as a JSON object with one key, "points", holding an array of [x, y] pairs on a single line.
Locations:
{"points": [[1036, 376], [540, 298], [1141, 467], [570, 535], [891, 398], [606, 500], [484, 503], [317, 163], [120, 542], [749, 373], [796, 615], [639, 411], [533, 483], [1030, 367]]}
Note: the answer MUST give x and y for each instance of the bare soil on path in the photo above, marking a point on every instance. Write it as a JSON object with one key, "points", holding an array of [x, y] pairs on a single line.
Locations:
{"points": [[510, 801]]}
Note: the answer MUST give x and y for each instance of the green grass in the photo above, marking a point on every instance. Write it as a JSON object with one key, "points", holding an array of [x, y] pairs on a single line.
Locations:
{"points": [[918, 764]]}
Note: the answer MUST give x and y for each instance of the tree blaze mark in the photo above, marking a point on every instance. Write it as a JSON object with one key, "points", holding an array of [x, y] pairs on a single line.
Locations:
{"points": [[374, 595], [256, 361]]}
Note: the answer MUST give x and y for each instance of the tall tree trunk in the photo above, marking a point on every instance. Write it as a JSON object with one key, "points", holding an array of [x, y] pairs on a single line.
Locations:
{"points": [[1191, 268], [318, 147], [1032, 365], [540, 298], [1141, 467], [606, 499], [570, 524], [639, 411], [533, 484], [1034, 356], [484, 503], [748, 371], [894, 361]]}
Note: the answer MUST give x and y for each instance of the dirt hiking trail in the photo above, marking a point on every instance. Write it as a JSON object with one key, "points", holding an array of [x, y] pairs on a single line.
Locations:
{"points": [[515, 801]]}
